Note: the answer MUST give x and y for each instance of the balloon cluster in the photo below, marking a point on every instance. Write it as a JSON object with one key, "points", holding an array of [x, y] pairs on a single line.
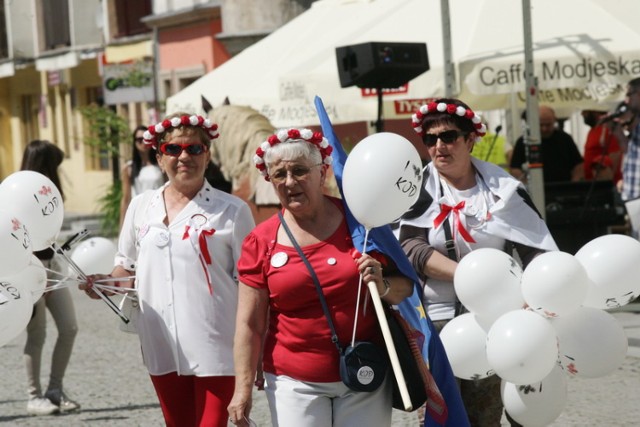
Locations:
{"points": [[31, 216], [534, 328], [30, 220]]}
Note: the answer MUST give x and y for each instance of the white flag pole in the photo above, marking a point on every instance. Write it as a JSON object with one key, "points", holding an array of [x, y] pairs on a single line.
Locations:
{"points": [[391, 348]]}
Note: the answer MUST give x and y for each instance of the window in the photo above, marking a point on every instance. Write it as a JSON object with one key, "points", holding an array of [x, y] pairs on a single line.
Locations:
{"points": [[55, 18], [128, 15], [4, 46]]}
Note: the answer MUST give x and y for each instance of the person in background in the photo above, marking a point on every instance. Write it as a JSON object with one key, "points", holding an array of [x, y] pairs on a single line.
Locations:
{"points": [[277, 297], [45, 158], [182, 242], [494, 148], [481, 206], [627, 130], [602, 156], [560, 156], [139, 174]]}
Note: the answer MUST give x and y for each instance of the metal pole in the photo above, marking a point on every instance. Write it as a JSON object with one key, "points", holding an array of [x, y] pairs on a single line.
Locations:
{"points": [[449, 71], [532, 140]]}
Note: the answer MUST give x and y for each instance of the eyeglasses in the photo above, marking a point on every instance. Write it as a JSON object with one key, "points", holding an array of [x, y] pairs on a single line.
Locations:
{"points": [[138, 139], [448, 137], [174, 150], [298, 173]]}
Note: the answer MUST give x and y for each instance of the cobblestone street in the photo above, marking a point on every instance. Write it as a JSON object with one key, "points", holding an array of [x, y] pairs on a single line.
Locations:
{"points": [[107, 377]]}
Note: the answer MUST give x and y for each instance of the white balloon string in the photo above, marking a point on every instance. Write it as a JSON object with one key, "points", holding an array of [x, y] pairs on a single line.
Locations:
{"points": [[355, 319], [116, 289], [114, 279], [61, 284]]}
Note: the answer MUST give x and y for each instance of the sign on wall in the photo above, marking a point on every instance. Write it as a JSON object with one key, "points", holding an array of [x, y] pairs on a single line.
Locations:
{"points": [[128, 82]]}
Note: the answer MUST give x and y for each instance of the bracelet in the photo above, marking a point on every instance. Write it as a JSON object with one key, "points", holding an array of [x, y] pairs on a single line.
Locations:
{"points": [[387, 287]]}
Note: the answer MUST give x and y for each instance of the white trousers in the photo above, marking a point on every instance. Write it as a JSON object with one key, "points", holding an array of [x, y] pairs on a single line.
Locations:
{"points": [[296, 403]]}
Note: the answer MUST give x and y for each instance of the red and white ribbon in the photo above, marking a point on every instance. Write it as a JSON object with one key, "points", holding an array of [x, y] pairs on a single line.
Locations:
{"points": [[445, 210], [197, 235]]}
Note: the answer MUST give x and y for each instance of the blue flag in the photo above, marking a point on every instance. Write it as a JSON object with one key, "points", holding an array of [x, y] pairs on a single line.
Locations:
{"points": [[383, 240]]}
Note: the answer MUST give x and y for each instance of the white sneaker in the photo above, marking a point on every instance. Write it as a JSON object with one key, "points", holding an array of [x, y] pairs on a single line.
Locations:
{"points": [[41, 406], [59, 398]]}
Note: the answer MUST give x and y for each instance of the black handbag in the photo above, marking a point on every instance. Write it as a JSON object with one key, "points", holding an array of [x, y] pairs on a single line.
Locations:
{"points": [[414, 368], [363, 365]]}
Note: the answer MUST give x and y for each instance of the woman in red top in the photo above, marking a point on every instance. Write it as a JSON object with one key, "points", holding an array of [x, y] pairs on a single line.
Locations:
{"points": [[300, 361]]}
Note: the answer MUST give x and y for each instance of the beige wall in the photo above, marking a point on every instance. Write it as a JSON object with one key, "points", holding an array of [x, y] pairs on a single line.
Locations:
{"points": [[23, 119]]}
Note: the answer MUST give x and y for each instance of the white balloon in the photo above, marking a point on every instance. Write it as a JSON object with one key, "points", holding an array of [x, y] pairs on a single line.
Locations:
{"points": [[15, 244], [487, 282], [16, 307], [522, 347], [464, 340], [32, 278], [612, 264], [34, 199], [537, 404], [95, 255], [554, 284], [382, 178], [592, 343]]}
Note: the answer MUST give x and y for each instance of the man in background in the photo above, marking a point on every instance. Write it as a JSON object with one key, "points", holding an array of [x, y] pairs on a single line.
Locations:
{"points": [[560, 156]]}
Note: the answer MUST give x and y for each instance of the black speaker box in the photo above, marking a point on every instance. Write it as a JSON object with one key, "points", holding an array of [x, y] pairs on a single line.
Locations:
{"points": [[380, 64]]}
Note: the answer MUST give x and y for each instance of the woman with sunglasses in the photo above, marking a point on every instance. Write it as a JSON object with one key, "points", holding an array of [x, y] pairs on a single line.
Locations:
{"points": [[141, 173], [475, 204], [300, 360], [182, 242]]}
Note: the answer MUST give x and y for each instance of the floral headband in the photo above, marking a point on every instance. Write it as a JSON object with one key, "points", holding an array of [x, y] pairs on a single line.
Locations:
{"points": [[292, 135], [441, 107], [152, 134]]}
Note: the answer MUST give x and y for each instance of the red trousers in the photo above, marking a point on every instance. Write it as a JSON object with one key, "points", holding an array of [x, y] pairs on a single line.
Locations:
{"points": [[190, 401]]}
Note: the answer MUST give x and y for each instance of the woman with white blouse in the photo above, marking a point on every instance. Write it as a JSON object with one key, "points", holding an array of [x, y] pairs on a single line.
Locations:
{"points": [[182, 242]]}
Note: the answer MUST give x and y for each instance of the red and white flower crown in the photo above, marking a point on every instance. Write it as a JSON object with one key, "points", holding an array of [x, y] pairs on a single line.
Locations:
{"points": [[441, 107], [290, 136], [152, 133]]}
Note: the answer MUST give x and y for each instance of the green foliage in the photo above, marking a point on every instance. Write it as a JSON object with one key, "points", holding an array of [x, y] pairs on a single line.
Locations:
{"points": [[106, 131], [106, 128], [109, 206]]}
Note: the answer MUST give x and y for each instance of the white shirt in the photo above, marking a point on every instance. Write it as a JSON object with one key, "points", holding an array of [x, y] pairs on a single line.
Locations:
{"points": [[150, 177], [183, 327]]}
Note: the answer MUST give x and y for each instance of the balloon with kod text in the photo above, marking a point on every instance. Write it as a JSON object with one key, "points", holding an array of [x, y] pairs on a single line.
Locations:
{"points": [[554, 284], [537, 404], [15, 244], [37, 202], [487, 282], [522, 347], [95, 256], [612, 262], [592, 343], [32, 278], [464, 340], [382, 178], [16, 306]]}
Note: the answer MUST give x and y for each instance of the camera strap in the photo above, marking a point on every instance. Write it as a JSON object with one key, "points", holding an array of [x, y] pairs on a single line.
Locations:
{"points": [[316, 282]]}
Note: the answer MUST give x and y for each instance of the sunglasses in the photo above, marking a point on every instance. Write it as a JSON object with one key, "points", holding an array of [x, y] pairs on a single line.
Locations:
{"points": [[448, 137], [174, 150], [138, 139]]}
